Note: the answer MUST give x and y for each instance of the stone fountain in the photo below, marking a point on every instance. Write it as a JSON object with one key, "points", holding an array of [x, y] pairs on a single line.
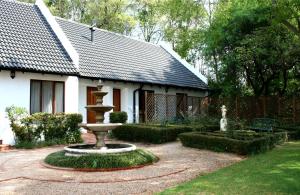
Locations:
{"points": [[99, 129]]}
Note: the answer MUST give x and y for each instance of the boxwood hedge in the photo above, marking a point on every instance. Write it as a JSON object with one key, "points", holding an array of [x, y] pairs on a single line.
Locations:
{"points": [[293, 131], [150, 134], [223, 143]]}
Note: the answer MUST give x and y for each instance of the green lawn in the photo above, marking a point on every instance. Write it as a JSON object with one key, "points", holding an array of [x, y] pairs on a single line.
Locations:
{"points": [[274, 172]]}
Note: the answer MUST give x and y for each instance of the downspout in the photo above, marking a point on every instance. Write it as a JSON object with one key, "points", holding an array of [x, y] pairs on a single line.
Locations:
{"points": [[134, 102]]}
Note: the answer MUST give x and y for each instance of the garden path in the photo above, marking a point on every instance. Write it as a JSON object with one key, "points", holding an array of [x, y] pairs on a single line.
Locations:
{"points": [[21, 172]]}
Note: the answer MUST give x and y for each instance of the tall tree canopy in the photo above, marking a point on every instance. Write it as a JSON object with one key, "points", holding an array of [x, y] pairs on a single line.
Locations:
{"points": [[184, 21], [110, 15], [148, 16], [256, 54]]}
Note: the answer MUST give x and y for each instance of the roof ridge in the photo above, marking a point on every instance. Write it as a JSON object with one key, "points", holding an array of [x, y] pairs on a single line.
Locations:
{"points": [[103, 30]]}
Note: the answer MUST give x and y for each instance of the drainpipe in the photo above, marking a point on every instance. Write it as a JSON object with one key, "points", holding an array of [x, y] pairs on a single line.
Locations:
{"points": [[134, 102]]}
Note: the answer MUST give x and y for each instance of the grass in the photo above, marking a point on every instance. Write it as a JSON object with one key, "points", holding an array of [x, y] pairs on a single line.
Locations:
{"points": [[274, 172], [119, 160]]}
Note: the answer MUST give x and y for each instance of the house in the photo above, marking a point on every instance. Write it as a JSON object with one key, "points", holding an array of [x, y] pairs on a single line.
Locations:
{"points": [[49, 64]]}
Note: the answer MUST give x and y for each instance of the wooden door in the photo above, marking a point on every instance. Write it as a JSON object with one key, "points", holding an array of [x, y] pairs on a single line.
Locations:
{"points": [[117, 100], [91, 100]]}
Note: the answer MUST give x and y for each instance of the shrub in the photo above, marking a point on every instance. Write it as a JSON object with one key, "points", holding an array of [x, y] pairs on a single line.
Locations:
{"points": [[206, 128], [220, 142], [29, 129], [293, 131], [118, 117], [151, 134]]}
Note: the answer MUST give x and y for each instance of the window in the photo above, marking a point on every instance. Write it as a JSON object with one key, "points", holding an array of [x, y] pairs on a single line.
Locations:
{"points": [[46, 96]]}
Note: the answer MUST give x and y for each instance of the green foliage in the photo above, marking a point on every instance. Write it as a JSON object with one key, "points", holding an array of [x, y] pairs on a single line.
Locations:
{"points": [[106, 161], [274, 172], [293, 131], [184, 23], [148, 17], [240, 142], [249, 52], [118, 117], [53, 127], [149, 133], [110, 15]]}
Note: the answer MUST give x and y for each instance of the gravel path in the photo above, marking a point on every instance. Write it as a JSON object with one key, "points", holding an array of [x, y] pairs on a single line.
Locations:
{"points": [[21, 172]]}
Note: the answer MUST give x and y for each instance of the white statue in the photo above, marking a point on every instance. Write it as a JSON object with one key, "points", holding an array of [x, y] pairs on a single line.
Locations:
{"points": [[223, 121]]}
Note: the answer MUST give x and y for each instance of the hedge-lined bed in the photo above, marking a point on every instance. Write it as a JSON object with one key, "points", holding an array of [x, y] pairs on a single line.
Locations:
{"points": [[135, 158], [240, 142], [293, 131], [149, 133]]}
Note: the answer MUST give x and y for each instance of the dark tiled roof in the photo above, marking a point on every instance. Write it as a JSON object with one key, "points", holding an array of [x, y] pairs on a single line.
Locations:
{"points": [[116, 57], [28, 43]]}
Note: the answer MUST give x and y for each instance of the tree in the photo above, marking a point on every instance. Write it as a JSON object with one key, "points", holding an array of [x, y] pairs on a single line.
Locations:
{"points": [[288, 13], [59, 8], [184, 21], [109, 15], [254, 52], [78, 9], [148, 18]]}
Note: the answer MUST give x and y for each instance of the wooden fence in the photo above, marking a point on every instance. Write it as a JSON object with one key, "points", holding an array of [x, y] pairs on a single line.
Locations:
{"points": [[286, 109], [161, 107]]}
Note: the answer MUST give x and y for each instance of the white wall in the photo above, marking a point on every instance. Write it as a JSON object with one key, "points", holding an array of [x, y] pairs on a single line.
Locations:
{"points": [[127, 90], [17, 92], [126, 96]]}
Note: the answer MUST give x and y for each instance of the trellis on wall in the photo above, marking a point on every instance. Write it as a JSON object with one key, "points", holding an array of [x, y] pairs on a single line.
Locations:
{"points": [[161, 107]]}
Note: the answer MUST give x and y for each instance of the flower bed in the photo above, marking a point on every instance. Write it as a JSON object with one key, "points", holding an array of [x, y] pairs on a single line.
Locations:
{"points": [[240, 142], [104, 161]]}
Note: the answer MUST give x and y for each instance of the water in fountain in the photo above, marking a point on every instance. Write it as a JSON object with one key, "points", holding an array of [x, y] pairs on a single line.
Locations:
{"points": [[100, 130]]}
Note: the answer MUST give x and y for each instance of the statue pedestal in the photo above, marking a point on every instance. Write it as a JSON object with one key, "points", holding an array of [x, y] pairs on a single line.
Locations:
{"points": [[223, 124]]}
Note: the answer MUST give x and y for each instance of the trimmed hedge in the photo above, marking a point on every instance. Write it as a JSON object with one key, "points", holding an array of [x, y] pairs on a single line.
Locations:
{"points": [[118, 117], [206, 128], [223, 143], [293, 131], [150, 134]]}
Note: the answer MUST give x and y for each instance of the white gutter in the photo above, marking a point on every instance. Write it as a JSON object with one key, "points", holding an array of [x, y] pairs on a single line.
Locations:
{"points": [[59, 32], [184, 62]]}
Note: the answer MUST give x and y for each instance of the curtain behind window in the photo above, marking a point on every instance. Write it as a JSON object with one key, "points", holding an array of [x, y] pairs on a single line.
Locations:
{"points": [[59, 97], [35, 101], [47, 96]]}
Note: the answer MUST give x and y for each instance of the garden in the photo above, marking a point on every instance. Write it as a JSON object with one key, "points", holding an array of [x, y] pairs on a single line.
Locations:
{"points": [[250, 139]]}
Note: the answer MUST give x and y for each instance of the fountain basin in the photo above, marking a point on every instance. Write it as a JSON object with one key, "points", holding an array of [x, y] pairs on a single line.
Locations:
{"points": [[100, 127], [87, 149]]}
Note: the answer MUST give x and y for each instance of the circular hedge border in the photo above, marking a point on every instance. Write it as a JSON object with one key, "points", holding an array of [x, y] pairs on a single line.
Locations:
{"points": [[103, 162]]}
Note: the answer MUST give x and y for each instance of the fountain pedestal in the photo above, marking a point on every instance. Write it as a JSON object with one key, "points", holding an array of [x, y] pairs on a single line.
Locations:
{"points": [[99, 129]]}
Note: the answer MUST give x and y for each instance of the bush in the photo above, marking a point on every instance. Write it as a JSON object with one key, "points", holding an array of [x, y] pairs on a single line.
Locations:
{"points": [[252, 144], [293, 131], [118, 117], [106, 161], [30, 130], [206, 128], [151, 134]]}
